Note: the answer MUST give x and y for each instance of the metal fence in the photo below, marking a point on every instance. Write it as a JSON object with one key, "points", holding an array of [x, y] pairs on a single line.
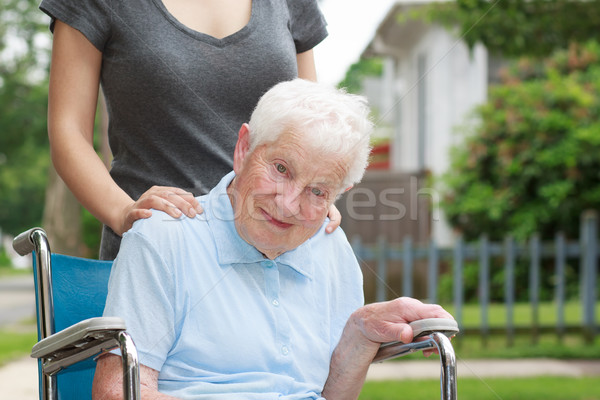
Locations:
{"points": [[533, 252]]}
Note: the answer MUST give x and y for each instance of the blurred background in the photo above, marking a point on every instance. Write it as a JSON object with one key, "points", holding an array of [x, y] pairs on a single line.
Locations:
{"points": [[483, 191]]}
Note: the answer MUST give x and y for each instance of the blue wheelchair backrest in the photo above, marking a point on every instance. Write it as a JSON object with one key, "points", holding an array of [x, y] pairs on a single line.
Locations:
{"points": [[79, 289]]}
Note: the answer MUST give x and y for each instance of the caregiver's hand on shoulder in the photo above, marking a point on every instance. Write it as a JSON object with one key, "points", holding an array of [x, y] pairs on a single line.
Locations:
{"points": [[171, 200], [335, 218]]}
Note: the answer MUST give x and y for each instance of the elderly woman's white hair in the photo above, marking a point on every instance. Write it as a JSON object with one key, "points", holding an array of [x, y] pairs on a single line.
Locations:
{"points": [[334, 121]]}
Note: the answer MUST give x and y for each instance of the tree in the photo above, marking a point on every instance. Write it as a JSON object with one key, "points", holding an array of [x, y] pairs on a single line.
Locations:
{"points": [[513, 28], [357, 72], [24, 155], [532, 164], [32, 193]]}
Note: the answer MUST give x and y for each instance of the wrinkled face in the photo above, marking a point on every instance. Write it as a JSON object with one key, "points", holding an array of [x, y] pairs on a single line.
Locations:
{"points": [[282, 192]]}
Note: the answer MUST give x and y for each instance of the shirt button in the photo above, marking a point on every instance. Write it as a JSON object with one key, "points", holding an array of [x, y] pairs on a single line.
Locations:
{"points": [[285, 350], [275, 302], [267, 264]]}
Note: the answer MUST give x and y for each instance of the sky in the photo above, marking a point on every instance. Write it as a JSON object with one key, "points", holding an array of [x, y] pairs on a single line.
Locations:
{"points": [[351, 25]]}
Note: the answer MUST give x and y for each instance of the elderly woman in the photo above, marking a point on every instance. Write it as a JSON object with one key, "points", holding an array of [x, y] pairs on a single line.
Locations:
{"points": [[252, 300]]}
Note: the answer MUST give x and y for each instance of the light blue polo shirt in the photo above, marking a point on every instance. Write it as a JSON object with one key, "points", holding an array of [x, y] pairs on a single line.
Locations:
{"points": [[220, 321]]}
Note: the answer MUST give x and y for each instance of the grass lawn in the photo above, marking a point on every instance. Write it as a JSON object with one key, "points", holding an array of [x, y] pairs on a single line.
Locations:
{"points": [[522, 314], [543, 388], [572, 345], [17, 340], [472, 347], [7, 271], [16, 343]]}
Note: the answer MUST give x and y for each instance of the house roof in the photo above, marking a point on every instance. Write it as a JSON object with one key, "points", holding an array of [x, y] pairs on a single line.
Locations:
{"points": [[395, 38]]}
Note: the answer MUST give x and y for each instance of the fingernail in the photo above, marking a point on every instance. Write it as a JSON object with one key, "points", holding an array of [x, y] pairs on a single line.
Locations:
{"points": [[192, 213]]}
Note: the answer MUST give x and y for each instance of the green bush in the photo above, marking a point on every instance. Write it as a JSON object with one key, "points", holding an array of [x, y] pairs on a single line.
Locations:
{"points": [[92, 233], [532, 163], [4, 259]]}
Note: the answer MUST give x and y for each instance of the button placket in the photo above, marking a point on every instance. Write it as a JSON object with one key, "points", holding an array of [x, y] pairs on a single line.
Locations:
{"points": [[272, 277]]}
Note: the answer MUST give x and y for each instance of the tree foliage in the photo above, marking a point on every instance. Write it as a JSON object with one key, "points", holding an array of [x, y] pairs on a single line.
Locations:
{"points": [[24, 155], [358, 71], [533, 162], [515, 28]]}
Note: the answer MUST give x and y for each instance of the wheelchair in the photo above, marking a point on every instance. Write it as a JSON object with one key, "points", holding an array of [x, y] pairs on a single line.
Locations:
{"points": [[70, 296]]}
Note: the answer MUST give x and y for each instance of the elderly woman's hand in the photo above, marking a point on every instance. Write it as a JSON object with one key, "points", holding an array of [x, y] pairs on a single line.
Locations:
{"points": [[389, 321], [335, 218], [172, 200], [366, 329]]}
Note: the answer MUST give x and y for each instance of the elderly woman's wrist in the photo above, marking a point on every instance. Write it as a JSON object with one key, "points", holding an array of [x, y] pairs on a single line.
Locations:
{"points": [[361, 340]]}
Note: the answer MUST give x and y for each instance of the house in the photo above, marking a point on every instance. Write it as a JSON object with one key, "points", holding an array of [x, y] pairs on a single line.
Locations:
{"points": [[430, 84]]}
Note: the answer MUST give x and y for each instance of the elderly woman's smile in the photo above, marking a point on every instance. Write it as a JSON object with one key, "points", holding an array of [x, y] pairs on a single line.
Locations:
{"points": [[275, 222]]}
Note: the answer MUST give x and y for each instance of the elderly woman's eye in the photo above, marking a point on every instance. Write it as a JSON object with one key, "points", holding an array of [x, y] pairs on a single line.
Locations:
{"points": [[281, 168], [317, 192]]}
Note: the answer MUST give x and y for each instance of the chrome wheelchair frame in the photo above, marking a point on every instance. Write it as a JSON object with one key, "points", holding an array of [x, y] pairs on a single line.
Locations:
{"points": [[434, 340], [84, 340]]}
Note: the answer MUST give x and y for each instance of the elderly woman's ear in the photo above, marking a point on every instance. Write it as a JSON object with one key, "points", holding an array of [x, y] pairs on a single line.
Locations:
{"points": [[241, 148]]}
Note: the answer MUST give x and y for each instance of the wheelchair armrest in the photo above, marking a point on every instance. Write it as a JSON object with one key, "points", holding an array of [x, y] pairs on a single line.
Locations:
{"points": [[78, 342], [425, 327]]}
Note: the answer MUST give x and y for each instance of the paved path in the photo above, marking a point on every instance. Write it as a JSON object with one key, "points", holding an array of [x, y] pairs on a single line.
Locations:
{"points": [[17, 299], [18, 380]]}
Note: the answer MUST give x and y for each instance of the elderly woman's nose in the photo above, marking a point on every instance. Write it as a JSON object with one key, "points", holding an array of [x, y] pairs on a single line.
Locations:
{"points": [[288, 200]]}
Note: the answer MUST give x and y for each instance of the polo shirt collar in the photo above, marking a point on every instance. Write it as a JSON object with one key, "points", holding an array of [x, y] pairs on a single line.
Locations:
{"points": [[231, 248]]}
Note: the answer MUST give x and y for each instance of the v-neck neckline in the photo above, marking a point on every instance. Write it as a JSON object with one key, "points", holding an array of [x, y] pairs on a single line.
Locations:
{"points": [[205, 37]]}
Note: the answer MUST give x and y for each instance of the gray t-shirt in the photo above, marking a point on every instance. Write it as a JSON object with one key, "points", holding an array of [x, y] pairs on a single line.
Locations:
{"points": [[176, 97]]}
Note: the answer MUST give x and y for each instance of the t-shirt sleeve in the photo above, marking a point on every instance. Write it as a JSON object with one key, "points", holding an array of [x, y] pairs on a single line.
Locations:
{"points": [[308, 24], [141, 291], [90, 17]]}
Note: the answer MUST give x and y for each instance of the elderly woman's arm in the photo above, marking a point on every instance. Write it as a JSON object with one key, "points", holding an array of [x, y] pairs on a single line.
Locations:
{"points": [[108, 381], [366, 329]]}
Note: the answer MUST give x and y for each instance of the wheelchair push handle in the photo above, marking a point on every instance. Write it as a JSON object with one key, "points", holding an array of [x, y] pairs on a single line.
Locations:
{"points": [[23, 243]]}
